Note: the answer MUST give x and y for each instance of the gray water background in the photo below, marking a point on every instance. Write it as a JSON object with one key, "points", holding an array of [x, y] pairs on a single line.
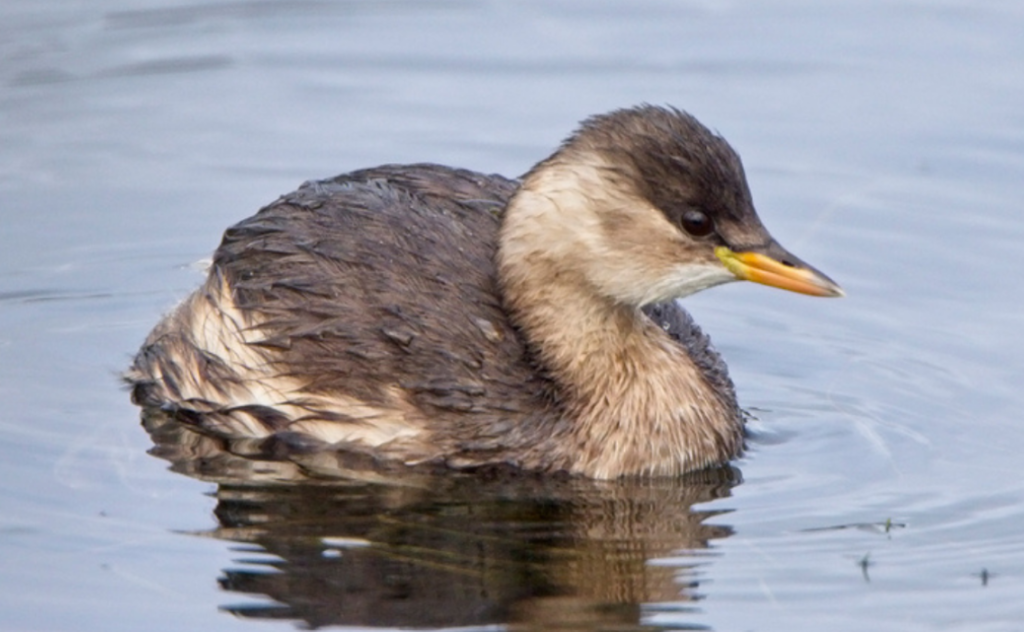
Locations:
{"points": [[883, 141]]}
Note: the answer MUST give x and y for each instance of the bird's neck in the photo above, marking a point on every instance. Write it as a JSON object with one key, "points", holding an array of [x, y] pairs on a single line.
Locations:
{"points": [[637, 403]]}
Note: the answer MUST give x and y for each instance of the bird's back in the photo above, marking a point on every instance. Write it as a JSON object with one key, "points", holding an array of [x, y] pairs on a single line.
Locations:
{"points": [[381, 277]]}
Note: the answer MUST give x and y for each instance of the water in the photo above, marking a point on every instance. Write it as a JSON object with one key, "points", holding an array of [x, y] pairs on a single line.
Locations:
{"points": [[884, 143]]}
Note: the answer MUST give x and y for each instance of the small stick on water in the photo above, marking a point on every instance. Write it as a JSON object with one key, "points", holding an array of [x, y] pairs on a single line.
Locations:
{"points": [[864, 563], [984, 575]]}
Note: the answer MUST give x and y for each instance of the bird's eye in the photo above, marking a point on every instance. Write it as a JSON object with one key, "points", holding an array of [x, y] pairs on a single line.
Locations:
{"points": [[697, 223]]}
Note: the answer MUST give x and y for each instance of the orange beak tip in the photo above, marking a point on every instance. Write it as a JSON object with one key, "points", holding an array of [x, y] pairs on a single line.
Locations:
{"points": [[759, 268]]}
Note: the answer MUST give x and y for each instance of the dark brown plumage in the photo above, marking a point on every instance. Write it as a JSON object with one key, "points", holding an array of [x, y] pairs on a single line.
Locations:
{"points": [[423, 314]]}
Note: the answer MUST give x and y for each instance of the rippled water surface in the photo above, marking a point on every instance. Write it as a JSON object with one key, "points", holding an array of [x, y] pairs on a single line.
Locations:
{"points": [[883, 140]]}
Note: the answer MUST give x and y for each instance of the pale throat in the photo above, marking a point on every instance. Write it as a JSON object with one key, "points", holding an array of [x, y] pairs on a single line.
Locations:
{"points": [[637, 400], [611, 361], [621, 366]]}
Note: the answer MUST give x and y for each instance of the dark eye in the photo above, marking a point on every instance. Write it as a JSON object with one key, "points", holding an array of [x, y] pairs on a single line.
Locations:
{"points": [[697, 223]]}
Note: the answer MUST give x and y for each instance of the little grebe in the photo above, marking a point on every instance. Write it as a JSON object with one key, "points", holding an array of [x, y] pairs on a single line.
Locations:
{"points": [[421, 314]]}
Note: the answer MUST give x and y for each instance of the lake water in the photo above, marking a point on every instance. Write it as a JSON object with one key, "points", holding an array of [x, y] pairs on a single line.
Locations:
{"points": [[883, 140]]}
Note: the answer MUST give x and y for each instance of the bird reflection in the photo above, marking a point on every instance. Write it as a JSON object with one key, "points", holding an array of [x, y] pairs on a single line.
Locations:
{"points": [[328, 543]]}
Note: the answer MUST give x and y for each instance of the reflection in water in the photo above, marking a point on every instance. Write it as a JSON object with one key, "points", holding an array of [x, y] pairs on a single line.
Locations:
{"points": [[333, 546]]}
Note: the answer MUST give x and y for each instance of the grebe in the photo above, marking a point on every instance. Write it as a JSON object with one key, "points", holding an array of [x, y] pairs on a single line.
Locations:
{"points": [[421, 314]]}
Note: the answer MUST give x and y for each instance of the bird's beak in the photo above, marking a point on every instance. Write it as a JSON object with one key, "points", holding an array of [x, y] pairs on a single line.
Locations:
{"points": [[766, 266]]}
